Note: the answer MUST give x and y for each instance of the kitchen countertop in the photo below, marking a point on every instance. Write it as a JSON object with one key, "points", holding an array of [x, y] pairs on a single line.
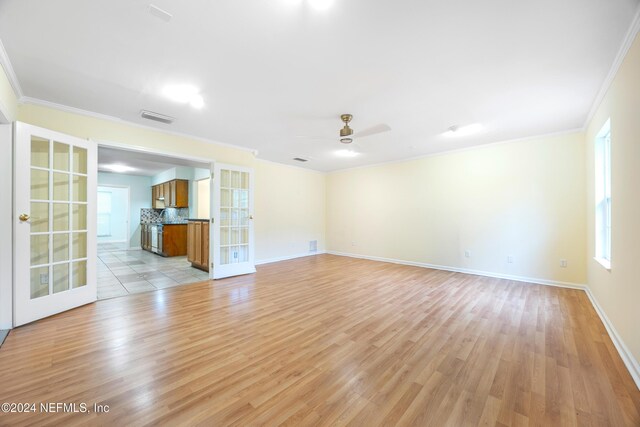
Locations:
{"points": [[165, 223]]}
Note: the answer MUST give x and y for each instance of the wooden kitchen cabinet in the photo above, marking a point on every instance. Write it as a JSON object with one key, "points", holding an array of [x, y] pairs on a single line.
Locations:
{"points": [[170, 194], [198, 244], [174, 240]]}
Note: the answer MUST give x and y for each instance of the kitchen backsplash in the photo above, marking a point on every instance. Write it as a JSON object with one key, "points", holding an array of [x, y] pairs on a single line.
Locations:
{"points": [[148, 215]]}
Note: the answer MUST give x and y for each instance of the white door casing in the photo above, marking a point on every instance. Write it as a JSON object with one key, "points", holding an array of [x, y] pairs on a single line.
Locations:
{"points": [[55, 183]]}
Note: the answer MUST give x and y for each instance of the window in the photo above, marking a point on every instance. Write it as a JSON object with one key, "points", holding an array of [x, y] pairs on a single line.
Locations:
{"points": [[603, 195], [104, 213]]}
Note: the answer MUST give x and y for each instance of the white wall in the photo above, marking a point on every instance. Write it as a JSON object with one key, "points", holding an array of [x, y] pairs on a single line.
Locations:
{"points": [[289, 211], [523, 199], [618, 291], [140, 197]]}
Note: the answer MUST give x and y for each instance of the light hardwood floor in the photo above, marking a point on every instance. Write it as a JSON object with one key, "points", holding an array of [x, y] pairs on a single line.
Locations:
{"points": [[327, 340]]}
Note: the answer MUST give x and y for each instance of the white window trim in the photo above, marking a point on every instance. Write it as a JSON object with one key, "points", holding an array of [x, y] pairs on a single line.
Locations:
{"points": [[603, 196]]}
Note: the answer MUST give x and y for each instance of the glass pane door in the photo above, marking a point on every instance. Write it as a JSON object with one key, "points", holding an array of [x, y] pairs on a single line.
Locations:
{"points": [[233, 236], [58, 217], [53, 199]]}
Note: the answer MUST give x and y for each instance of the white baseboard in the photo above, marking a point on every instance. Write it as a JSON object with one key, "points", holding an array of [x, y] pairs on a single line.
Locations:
{"points": [[468, 271], [287, 257], [629, 361], [135, 248]]}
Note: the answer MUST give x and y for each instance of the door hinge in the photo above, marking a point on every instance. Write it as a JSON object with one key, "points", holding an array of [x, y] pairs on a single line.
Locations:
{"points": [[212, 220], [211, 265]]}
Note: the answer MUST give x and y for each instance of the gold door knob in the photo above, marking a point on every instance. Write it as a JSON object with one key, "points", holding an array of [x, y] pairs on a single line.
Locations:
{"points": [[24, 217]]}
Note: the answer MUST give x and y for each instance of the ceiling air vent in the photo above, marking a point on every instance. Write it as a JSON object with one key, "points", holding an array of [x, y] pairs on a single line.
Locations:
{"points": [[300, 159], [156, 117]]}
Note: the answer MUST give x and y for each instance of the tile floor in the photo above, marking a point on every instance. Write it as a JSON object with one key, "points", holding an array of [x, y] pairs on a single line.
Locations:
{"points": [[122, 272]]}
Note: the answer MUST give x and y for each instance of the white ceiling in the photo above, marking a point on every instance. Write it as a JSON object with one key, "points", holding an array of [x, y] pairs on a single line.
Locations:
{"points": [[141, 163], [277, 74]]}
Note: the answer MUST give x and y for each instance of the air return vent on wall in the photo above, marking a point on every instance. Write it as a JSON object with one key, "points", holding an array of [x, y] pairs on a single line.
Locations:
{"points": [[156, 117]]}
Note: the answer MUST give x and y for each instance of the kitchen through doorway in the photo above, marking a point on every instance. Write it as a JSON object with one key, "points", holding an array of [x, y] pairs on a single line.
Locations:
{"points": [[165, 239]]}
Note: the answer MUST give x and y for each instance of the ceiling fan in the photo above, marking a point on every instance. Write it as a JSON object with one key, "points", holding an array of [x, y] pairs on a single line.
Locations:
{"points": [[347, 135]]}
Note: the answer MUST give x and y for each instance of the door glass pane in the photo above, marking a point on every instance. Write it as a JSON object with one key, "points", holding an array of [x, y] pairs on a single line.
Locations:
{"points": [[235, 179], [60, 217], [39, 152], [39, 249], [233, 255], [79, 160], [224, 179], [234, 217], [39, 217], [79, 217], [60, 247], [39, 282], [60, 186], [60, 156], [79, 271], [79, 188], [243, 253], [244, 198], [224, 255], [224, 235], [225, 199], [60, 278], [224, 217], [79, 245], [244, 217], [39, 184]]}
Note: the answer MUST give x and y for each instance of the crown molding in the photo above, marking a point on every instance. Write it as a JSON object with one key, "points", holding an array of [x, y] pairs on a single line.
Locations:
{"points": [[106, 117], [11, 75], [617, 62]]}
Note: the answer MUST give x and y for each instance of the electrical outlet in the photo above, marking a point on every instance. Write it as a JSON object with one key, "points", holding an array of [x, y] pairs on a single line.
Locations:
{"points": [[510, 259], [563, 263], [353, 243], [467, 253]]}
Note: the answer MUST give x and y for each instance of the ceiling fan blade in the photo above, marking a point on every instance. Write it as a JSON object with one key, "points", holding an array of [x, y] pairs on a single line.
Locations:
{"points": [[383, 127]]}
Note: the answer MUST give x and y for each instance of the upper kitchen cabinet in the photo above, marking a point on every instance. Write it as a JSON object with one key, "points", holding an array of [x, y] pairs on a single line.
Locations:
{"points": [[170, 194]]}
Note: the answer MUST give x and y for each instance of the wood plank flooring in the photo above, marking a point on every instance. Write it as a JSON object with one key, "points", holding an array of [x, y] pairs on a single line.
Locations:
{"points": [[326, 340]]}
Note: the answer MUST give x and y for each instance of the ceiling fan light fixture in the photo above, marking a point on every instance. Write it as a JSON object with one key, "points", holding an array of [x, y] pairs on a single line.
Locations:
{"points": [[346, 140]]}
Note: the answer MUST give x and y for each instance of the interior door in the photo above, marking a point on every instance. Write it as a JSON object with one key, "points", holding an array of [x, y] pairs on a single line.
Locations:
{"points": [[233, 244], [55, 178]]}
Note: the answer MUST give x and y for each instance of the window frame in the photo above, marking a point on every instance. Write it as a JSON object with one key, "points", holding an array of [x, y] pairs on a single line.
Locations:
{"points": [[603, 198]]}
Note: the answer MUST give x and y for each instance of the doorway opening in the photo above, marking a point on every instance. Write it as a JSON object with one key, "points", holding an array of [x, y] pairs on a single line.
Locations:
{"points": [[167, 197]]}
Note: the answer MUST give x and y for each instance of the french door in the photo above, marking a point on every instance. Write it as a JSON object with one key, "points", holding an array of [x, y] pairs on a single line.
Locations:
{"points": [[233, 244], [55, 223]]}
